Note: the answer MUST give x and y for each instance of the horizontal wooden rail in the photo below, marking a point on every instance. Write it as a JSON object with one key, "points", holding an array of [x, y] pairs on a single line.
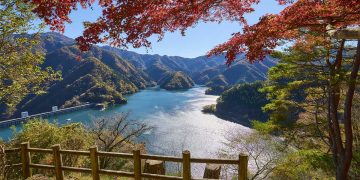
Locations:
{"points": [[95, 170], [13, 150], [76, 169], [214, 161], [14, 165], [40, 150], [116, 173], [115, 154], [79, 153], [41, 166], [157, 176], [161, 158]]}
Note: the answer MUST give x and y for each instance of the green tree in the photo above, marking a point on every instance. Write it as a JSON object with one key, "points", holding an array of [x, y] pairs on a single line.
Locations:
{"points": [[299, 92], [20, 73], [43, 134]]}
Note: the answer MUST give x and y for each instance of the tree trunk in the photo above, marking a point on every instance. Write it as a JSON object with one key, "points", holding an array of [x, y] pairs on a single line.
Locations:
{"points": [[212, 171], [333, 107], [154, 167], [346, 157]]}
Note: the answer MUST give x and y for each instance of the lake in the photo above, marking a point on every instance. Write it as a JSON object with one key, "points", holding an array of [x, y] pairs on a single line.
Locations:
{"points": [[176, 117]]}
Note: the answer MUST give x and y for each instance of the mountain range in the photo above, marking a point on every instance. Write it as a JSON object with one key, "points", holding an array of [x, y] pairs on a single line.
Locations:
{"points": [[106, 74], [209, 71]]}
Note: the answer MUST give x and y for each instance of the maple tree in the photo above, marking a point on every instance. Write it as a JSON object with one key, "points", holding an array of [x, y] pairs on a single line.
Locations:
{"points": [[125, 22]]}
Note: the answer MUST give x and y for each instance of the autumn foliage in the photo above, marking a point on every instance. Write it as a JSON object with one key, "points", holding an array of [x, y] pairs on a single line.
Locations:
{"points": [[125, 22]]}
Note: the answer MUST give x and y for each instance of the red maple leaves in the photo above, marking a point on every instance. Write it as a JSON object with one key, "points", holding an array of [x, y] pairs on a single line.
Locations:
{"points": [[125, 22], [56, 12], [290, 25]]}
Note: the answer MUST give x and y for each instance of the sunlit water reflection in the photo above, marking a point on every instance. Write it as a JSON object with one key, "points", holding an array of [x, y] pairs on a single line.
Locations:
{"points": [[176, 117]]}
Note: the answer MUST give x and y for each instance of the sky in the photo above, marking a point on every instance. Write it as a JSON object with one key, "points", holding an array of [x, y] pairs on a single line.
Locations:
{"points": [[198, 40]]}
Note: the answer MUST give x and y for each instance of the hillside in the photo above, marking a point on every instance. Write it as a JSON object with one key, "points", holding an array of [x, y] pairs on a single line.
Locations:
{"points": [[176, 81], [240, 104], [65, 57], [216, 90], [95, 76], [88, 81]]}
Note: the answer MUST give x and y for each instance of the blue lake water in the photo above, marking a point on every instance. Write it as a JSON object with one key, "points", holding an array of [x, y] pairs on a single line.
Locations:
{"points": [[176, 117]]}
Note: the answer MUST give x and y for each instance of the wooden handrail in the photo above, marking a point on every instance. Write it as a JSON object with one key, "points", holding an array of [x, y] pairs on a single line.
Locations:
{"points": [[95, 170], [214, 161], [158, 176], [40, 150], [116, 173], [76, 169], [161, 158], [13, 150], [41, 166], [115, 154], [80, 153]]}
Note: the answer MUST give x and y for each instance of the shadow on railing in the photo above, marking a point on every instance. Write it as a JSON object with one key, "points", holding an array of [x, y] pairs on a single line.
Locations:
{"points": [[96, 171]]}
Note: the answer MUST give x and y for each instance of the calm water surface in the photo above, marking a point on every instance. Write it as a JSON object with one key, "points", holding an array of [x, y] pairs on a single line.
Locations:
{"points": [[176, 117]]}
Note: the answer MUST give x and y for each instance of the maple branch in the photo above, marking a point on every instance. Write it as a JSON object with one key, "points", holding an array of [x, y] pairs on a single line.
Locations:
{"points": [[346, 33]]}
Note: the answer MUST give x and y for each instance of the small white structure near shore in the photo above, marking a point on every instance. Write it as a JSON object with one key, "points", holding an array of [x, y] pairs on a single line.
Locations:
{"points": [[54, 108], [24, 114]]}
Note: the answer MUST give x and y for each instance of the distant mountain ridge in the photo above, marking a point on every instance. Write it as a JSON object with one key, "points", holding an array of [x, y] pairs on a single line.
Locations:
{"points": [[105, 74], [210, 71]]}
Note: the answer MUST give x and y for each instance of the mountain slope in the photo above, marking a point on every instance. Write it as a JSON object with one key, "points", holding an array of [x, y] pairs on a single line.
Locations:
{"points": [[88, 81], [242, 103], [176, 81], [95, 76]]}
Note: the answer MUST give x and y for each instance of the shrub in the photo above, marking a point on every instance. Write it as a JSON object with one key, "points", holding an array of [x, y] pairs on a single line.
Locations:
{"points": [[209, 109]]}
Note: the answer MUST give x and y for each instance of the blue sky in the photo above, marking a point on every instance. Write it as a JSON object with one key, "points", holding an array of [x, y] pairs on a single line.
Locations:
{"points": [[198, 40]]}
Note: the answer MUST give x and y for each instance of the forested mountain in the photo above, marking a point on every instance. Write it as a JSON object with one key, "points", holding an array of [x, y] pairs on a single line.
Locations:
{"points": [[175, 81], [105, 74], [88, 81], [95, 76], [210, 71], [241, 104], [98, 76]]}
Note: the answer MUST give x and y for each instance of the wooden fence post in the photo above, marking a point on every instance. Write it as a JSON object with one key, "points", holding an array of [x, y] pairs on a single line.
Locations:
{"points": [[94, 162], [25, 159], [242, 167], [186, 165], [137, 164], [58, 162]]}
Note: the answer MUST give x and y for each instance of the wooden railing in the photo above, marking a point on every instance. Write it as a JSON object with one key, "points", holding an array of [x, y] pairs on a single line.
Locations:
{"points": [[25, 151]]}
